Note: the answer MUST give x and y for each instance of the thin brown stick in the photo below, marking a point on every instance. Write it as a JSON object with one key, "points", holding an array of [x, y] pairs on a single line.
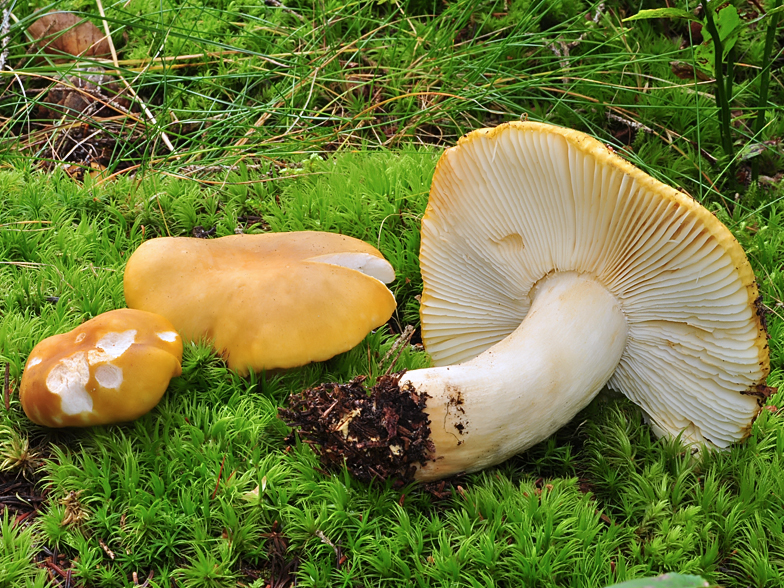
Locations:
{"points": [[398, 346], [280, 5], [148, 60], [105, 547], [243, 183], [220, 473], [629, 114], [163, 216]]}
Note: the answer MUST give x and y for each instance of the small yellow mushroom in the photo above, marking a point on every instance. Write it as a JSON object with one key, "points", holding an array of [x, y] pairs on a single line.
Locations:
{"points": [[111, 369]]}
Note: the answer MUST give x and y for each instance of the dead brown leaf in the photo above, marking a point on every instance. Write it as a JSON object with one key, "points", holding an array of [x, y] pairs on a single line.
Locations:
{"points": [[66, 33], [90, 90], [686, 71]]}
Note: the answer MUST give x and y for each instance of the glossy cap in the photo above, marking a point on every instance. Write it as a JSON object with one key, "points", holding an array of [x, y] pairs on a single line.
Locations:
{"points": [[113, 368], [276, 300]]}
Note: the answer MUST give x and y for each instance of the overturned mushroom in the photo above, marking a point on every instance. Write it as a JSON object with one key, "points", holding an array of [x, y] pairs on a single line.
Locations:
{"points": [[111, 369], [276, 300], [552, 268]]}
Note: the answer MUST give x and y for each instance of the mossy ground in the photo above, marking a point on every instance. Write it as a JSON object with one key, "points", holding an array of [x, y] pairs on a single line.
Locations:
{"points": [[350, 105]]}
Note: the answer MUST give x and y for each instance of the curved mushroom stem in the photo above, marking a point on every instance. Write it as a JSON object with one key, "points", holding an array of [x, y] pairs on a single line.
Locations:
{"points": [[521, 390]]}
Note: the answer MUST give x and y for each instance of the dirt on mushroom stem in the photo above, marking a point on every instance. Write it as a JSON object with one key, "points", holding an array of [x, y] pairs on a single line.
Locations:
{"points": [[378, 433]]}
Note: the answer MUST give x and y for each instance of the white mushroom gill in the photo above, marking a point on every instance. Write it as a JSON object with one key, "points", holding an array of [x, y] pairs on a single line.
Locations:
{"points": [[68, 379], [370, 265], [511, 206]]}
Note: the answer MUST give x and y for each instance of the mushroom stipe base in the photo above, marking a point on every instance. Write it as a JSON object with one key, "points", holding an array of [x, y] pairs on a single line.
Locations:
{"points": [[378, 433]]}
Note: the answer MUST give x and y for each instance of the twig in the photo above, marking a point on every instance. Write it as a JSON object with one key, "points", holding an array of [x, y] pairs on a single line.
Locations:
{"points": [[398, 346], [280, 5], [329, 410], [264, 117], [307, 101], [133, 93], [96, 96], [667, 137], [27, 222], [105, 547], [27, 264], [637, 126], [144, 584], [336, 548], [220, 473], [34, 264], [242, 183], [7, 226], [79, 144], [163, 216], [211, 169], [565, 48], [148, 60]]}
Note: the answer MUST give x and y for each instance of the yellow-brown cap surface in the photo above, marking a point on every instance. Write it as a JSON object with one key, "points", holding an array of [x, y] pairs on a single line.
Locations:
{"points": [[276, 300], [113, 368]]}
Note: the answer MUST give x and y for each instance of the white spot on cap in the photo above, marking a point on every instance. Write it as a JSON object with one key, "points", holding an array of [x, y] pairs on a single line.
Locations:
{"points": [[168, 336], [33, 361], [80, 337], [109, 376], [112, 346], [68, 380]]}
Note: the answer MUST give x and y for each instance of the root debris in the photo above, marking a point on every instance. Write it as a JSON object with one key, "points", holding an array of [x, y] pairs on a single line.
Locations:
{"points": [[378, 433]]}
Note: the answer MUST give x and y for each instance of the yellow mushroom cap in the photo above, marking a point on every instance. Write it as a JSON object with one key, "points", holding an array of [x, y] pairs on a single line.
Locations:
{"points": [[111, 369], [276, 300]]}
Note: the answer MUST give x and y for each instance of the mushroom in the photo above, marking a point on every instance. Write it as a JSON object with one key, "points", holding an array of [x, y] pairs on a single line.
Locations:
{"points": [[275, 300], [110, 369], [552, 267]]}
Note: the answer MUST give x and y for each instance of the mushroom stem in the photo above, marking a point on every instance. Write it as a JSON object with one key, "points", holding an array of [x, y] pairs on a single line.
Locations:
{"points": [[524, 388]]}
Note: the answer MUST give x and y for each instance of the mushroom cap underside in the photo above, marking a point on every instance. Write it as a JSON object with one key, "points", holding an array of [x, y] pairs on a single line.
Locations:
{"points": [[511, 205], [276, 300]]}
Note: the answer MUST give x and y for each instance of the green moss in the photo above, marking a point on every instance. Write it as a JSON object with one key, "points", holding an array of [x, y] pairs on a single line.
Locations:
{"points": [[348, 122]]}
